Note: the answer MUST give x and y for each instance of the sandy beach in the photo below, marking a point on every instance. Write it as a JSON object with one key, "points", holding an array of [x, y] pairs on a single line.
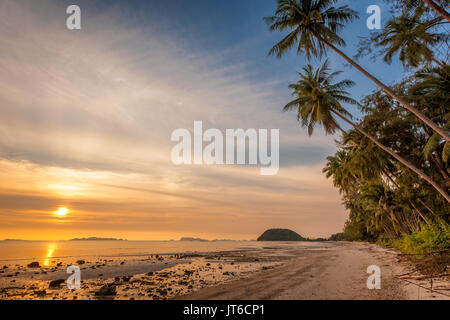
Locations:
{"points": [[328, 270]]}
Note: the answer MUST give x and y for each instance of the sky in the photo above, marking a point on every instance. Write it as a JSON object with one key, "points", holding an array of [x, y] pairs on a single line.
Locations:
{"points": [[86, 118]]}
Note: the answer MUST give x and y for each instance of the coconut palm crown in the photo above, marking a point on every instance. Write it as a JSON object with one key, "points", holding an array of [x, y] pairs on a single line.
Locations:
{"points": [[308, 22], [318, 97]]}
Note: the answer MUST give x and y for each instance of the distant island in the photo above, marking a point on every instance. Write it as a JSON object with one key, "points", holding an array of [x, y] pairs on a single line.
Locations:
{"points": [[96, 239], [192, 239], [281, 235]]}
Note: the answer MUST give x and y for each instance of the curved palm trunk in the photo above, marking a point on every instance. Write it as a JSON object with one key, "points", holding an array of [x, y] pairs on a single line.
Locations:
{"points": [[396, 156], [411, 202], [438, 9], [386, 89], [437, 62]]}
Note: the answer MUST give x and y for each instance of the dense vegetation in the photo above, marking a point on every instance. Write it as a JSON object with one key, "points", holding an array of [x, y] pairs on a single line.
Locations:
{"points": [[280, 235], [392, 167]]}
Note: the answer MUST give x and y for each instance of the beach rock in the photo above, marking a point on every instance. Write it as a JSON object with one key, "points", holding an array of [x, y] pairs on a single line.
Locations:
{"points": [[188, 272], [33, 264], [56, 284], [150, 273], [40, 293], [5, 267], [81, 262], [107, 290]]}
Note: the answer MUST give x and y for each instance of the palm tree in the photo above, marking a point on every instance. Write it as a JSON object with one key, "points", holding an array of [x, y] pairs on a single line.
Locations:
{"points": [[315, 24], [438, 9], [318, 100], [411, 37], [433, 86]]}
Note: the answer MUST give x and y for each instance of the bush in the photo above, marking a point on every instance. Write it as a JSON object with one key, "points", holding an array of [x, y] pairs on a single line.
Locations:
{"points": [[429, 239]]}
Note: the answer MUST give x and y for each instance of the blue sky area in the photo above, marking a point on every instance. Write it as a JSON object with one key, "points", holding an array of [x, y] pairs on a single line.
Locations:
{"points": [[237, 28]]}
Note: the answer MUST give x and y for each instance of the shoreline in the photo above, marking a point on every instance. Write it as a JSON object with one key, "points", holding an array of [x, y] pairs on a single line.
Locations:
{"points": [[336, 270]]}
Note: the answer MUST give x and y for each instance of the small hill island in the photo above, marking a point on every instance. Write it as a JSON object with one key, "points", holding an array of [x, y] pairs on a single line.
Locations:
{"points": [[281, 235]]}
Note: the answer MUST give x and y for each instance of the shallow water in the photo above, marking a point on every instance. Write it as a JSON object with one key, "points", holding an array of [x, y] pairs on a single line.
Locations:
{"points": [[44, 250]]}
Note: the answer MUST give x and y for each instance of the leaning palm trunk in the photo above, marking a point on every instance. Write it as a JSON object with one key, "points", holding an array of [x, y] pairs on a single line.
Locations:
{"points": [[438, 9], [405, 104], [396, 156], [440, 64]]}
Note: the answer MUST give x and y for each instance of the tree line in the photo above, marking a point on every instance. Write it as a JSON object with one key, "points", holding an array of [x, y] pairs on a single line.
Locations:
{"points": [[392, 166]]}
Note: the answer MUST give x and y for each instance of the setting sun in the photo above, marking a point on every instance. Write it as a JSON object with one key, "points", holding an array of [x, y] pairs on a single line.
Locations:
{"points": [[61, 212]]}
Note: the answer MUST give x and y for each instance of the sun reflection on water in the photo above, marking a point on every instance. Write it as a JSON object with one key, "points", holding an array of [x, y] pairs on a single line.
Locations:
{"points": [[50, 250]]}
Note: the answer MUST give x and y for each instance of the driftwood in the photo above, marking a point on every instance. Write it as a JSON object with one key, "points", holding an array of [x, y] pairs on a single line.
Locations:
{"points": [[422, 277], [429, 289]]}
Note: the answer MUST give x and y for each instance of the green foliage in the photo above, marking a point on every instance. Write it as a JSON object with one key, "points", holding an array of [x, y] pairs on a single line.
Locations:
{"points": [[309, 22], [386, 201], [429, 239], [318, 98]]}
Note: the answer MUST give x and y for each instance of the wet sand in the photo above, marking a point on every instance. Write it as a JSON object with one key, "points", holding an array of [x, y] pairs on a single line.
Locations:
{"points": [[321, 271]]}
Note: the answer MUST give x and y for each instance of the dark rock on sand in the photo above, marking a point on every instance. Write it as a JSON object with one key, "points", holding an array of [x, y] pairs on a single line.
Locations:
{"points": [[56, 284], [40, 293], [33, 264], [81, 262], [107, 290]]}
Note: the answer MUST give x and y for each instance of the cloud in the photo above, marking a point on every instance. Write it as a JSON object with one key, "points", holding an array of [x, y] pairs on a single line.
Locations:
{"points": [[86, 117]]}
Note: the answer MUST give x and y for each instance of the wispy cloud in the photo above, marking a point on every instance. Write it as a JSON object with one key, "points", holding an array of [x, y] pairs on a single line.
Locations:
{"points": [[86, 118]]}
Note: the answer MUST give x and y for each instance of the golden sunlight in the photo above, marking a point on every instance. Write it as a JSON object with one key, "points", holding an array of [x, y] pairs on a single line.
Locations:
{"points": [[61, 212], [51, 249]]}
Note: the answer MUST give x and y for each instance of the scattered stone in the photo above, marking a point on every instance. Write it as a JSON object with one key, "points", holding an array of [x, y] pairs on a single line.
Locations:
{"points": [[107, 290], [33, 264], [56, 284], [40, 293], [81, 262]]}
